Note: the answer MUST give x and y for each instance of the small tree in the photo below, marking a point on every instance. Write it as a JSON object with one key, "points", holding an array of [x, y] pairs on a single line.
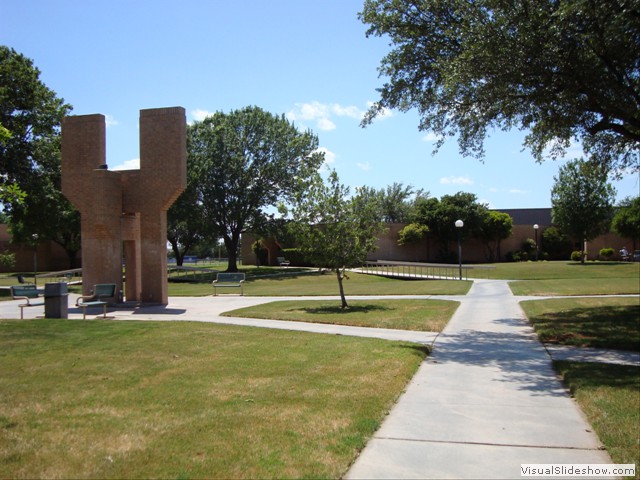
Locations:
{"points": [[496, 226], [556, 244], [582, 200], [333, 230]]}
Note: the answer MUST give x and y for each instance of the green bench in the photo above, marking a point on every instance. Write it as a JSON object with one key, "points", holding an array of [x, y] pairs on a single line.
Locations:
{"points": [[225, 280], [29, 293], [100, 293]]}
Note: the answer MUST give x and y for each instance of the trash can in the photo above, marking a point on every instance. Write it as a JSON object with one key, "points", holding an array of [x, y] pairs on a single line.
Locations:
{"points": [[56, 301]]}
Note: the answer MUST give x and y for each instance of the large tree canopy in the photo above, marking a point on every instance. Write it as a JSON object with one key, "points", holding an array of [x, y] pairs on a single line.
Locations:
{"points": [[30, 117], [563, 69], [245, 161], [31, 113]]}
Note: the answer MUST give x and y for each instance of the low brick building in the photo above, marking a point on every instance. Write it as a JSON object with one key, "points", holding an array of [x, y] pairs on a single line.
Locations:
{"points": [[473, 250]]}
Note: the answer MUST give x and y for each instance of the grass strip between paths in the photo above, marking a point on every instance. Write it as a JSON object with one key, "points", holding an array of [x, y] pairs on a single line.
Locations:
{"points": [[106, 399], [602, 322], [416, 315]]}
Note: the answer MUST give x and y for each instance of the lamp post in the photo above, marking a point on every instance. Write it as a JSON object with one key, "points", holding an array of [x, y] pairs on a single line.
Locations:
{"points": [[35, 258], [459, 224], [535, 229]]}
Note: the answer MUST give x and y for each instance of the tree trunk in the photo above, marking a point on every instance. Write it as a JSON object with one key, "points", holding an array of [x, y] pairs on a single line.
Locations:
{"points": [[72, 256], [176, 252], [340, 275], [232, 253]]}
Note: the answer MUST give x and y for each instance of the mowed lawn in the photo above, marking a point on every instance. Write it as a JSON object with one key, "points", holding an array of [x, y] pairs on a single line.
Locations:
{"points": [[597, 322], [417, 315], [280, 282], [106, 399], [571, 278], [609, 395]]}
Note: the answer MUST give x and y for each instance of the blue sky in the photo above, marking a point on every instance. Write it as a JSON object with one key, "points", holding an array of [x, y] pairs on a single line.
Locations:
{"points": [[307, 59]]}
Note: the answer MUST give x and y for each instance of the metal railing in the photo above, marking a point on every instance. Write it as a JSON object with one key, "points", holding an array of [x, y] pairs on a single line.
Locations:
{"points": [[390, 268], [68, 276]]}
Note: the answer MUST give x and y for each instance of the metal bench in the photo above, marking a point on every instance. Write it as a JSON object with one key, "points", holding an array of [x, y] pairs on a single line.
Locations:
{"points": [[283, 262], [29, 293], [224, 280], [100, 293]]}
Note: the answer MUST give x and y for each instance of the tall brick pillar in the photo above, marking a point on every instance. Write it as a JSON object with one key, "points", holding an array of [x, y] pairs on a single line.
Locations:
{"points": [[125, 212]]}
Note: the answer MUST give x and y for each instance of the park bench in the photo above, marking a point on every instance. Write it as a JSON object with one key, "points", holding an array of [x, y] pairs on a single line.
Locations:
{"points": [[283, 262], [26, 292], [100, 293], [224, 280]]}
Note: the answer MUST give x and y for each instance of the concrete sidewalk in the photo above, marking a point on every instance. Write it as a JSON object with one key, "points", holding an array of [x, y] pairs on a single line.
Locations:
{"points": [[209, 309], [484, 402]]}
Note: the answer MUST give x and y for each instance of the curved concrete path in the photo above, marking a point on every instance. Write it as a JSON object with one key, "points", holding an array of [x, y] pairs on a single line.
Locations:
{"points": [[484, 402]]}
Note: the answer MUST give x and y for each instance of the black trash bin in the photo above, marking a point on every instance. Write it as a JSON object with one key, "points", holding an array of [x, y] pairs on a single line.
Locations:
{"points": [[56, 301]]}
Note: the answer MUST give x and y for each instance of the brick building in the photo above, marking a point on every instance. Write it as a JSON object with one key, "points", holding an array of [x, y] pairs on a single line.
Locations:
{"points": [[473, 250]]}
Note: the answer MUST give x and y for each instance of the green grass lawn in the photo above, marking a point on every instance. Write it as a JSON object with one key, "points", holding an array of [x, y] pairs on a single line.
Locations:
{"points": [[417, 315], [304, 283], [106, 399], [570, 278], [563, 270], [587, 322], [609, 396]]}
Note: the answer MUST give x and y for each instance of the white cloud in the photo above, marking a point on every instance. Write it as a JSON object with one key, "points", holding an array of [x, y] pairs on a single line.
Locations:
{"points": [[456, 181], [383, 114], [329, 156], [325, 124], [431, 137], [517, 191], [133, 164], [574, 150], [350, 111], [198, 114], [110, 121], [366, 166], [484, 201], [323, 114]]}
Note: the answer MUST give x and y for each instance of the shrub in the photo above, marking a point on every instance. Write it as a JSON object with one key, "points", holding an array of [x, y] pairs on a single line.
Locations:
{"points": [[295, 257], [606, 253], [576, 256], [529, 245], [412, 233], [556, 243], [7, 259], [262, 254]]}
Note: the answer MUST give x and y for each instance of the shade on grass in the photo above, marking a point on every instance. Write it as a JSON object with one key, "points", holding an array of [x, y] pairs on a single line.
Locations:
{"points": [[105, 399], [603, 322]]}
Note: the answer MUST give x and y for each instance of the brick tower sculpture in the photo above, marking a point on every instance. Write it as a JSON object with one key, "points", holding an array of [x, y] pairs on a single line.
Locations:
{"points": [[124, 213]]}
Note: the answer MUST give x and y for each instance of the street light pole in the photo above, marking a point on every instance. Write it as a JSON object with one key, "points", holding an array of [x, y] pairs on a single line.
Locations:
{"points": [[459, 224], [35, 258], [535, 229]]}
